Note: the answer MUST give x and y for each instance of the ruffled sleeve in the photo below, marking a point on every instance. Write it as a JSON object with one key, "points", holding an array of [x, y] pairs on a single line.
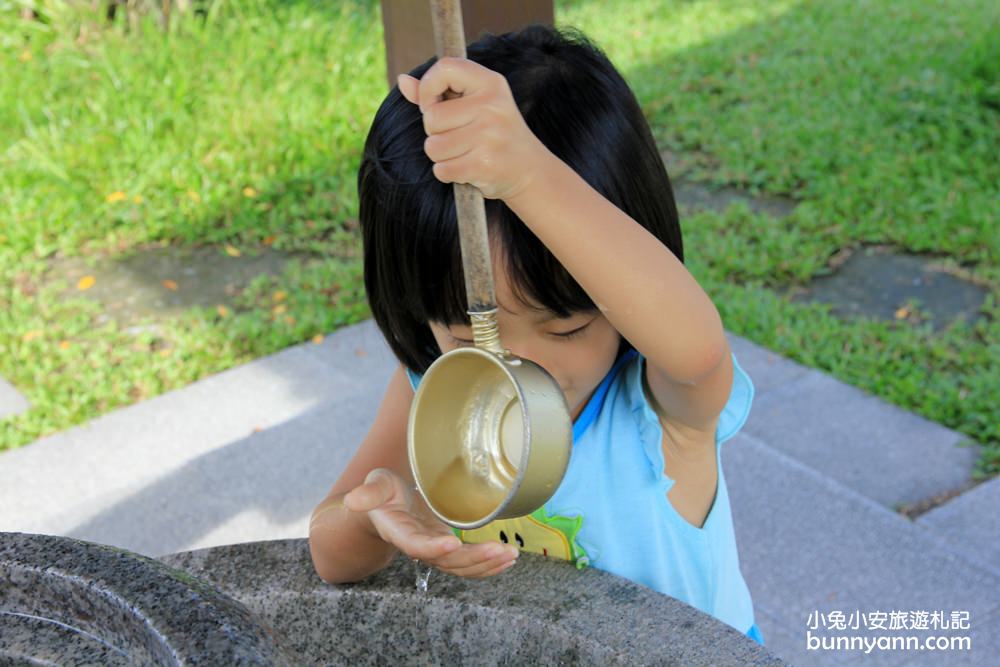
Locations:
{"points": [[737, 408], [733, 416]]}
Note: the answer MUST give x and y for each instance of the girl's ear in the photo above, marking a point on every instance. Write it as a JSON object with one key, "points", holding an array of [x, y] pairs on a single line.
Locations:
{"points": [[409, 87]]}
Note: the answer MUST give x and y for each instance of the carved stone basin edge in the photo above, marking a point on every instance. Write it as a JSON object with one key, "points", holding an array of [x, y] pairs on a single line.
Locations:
{"points": [[542, 611]]}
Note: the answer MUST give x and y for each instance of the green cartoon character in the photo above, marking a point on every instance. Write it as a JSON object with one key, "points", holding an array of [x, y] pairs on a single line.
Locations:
{"points": [[550, 536]]}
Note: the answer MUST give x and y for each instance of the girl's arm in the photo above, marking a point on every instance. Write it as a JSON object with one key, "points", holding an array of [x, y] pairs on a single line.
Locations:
{"points": [[646, 293], [639, 285], [373, 511], [345, 545]]}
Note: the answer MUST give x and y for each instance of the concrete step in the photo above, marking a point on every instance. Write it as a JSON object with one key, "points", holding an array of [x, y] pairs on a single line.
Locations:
{"points": [[808, 543], [883, 452], [970, 522], [11, 401], [238, 456]]}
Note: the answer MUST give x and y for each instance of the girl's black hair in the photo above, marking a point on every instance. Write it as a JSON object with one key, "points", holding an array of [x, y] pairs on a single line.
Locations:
{"points": [[578, 105]]}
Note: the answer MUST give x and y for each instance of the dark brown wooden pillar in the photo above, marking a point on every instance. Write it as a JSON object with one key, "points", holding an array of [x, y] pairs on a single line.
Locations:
{"points": [[409, 37]]}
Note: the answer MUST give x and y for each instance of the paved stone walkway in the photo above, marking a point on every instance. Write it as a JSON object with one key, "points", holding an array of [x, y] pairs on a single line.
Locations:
{"points": [[11, 400], [813, 477]]}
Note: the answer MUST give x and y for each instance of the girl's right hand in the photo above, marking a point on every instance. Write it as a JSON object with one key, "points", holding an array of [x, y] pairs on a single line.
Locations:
{"points": [[403, 519]]}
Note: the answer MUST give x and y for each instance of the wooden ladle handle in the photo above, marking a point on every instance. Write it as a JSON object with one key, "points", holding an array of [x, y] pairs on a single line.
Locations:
{"points": [[449, 40]]}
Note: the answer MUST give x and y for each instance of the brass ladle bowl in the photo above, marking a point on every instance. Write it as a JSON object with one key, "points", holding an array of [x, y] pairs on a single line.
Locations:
{"points": [[489, 434]]}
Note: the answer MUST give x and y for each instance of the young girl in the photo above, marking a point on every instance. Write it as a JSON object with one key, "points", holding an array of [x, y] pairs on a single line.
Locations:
{"points": [[590, 284]]}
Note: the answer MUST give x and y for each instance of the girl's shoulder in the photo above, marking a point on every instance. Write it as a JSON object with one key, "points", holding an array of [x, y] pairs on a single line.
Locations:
{"points": [[631, 393]]}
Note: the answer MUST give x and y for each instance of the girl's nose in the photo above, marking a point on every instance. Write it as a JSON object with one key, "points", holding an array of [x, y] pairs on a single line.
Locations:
{"points": [[522, 350], [529, 353], [526, 346]]}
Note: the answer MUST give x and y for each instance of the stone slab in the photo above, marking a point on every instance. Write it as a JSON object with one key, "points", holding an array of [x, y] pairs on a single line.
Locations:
{"points": [[237, 456], [810, 544], [789, 643], [881, 451], [985, 649], [11, 401], [693, 196], [971, 522], [263, 486], [541, 612], [879, 283]]}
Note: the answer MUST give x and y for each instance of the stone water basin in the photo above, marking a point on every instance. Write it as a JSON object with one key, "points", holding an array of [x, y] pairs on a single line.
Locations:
{"points": [[70, 602], [541, 612]]}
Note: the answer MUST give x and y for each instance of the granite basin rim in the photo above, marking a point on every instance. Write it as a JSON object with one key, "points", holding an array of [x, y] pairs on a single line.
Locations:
{"points": [[542, 611]]}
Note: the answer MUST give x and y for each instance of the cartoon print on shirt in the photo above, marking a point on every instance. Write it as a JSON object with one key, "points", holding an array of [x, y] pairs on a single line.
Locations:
{"points": [[550, 536]]}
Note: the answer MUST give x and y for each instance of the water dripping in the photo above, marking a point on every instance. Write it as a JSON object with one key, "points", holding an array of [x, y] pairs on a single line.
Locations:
{"points": [[423, 573]]}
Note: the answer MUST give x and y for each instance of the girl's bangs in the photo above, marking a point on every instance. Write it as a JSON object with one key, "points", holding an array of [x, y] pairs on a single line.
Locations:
{"points": [[537, 279]]}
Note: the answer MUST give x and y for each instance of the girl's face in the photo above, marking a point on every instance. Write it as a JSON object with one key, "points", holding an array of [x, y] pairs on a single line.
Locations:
{"points": [[577, 351]]}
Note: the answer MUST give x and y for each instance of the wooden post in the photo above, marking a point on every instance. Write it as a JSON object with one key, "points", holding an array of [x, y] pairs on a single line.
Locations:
{"points": [[409, 37]]}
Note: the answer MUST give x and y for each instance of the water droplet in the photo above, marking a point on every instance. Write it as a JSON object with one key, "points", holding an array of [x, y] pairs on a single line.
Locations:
{"points": [[423, 574]]}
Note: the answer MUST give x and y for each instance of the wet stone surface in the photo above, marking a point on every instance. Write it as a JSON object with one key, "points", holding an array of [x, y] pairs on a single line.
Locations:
{"points": [[163, 281], [880, 283]]}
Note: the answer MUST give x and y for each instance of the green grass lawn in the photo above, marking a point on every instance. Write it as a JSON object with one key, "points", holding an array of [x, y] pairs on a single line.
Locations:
{"points": [[881, 118]]}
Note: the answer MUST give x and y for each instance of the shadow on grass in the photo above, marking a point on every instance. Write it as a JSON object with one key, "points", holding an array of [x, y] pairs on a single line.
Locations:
{"points": [[854, 106]]}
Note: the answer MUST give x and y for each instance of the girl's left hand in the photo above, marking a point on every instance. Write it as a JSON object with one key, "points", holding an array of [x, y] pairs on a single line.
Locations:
{"points": [[479, 138]]}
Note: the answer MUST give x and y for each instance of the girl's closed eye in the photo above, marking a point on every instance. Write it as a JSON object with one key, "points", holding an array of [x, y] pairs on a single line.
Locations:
{"points": [[579, 331], [459, 341], [567, 335]]}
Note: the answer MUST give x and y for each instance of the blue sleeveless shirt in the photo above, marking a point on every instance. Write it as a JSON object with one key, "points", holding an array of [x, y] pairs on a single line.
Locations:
{"points": [[612, 506]]}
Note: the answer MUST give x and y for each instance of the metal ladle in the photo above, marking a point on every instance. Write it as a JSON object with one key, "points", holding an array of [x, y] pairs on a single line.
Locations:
{"points": [[489, 434]]}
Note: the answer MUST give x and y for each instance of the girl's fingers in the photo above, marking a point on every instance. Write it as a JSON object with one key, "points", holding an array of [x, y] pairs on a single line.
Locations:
{"points": [[412, 537], [439, 117], [455, 113], [408, 87], [448, 554], [377, 489], [459, 74], [497, 570], [452, 144], [362, 498], [484, 568], [458, 169], [432, 549], [476, 559]]}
